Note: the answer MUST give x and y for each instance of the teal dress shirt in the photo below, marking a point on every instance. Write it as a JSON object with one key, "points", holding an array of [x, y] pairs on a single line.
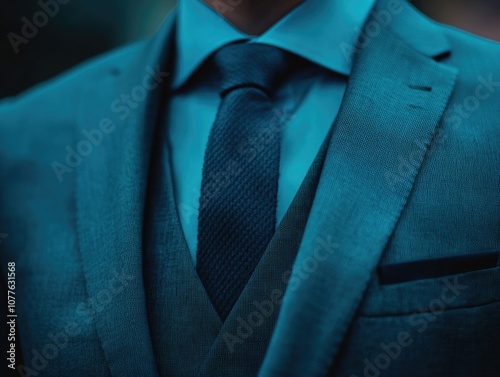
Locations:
{"points": [[317, 30]]}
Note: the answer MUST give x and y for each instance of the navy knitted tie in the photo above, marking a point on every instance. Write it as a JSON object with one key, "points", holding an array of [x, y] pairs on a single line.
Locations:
{"points": [[238, 200]]}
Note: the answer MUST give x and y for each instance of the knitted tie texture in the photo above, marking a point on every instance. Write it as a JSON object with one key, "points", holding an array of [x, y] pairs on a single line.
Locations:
{"points": [[237, 213]]}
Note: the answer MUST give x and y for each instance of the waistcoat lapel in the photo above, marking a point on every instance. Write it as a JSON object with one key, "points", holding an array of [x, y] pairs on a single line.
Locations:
{"points": [[183, 322], [188, 337], [243, 340]]}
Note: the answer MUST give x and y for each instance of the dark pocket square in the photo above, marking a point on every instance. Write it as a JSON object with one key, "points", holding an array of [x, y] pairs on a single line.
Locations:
{"points": [[434, 268]]}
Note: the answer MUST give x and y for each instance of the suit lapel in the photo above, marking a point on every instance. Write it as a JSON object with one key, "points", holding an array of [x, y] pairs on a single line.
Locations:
{"points": [[394, 100], [110, 196]]}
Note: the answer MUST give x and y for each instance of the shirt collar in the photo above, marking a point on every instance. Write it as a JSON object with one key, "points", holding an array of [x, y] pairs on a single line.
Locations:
{"points": [[316, 30]]}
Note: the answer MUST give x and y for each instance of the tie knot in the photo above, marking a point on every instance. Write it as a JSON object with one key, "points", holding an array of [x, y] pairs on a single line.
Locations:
{"points": [[251, 65]]}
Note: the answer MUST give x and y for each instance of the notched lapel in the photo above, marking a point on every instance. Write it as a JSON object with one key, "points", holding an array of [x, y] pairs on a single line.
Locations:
{"points": [[395, 98], [110, 195]]}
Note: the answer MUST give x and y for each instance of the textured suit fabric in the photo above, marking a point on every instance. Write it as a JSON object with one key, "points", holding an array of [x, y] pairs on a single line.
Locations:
{"points": [[411, 173]]}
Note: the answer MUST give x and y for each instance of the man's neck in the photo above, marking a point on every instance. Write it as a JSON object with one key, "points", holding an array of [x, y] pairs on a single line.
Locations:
{"points": [[252, 17]]}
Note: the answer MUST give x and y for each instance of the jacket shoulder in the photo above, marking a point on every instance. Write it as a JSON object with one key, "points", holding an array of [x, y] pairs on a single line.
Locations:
{"points": [[60, 94], [477, 61], [43, 117], [471, 50]]}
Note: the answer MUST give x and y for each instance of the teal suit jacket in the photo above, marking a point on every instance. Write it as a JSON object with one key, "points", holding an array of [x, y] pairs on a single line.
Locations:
{"points": [[410, 186]]}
